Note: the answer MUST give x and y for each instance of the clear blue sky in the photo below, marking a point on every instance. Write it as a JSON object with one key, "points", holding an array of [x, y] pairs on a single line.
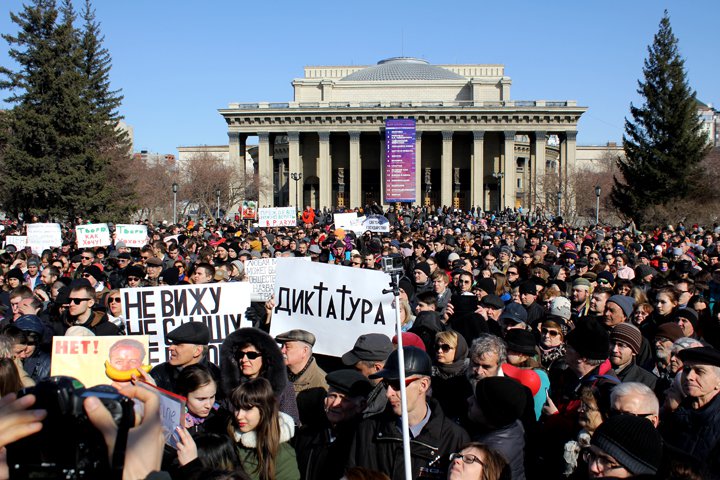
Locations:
{"points": [[178, 62]]}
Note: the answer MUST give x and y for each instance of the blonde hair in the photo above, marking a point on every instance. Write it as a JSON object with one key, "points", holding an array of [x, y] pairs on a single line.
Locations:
{"points": [[448, 336]]}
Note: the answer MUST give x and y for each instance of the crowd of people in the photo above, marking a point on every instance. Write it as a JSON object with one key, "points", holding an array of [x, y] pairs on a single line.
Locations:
{"points": [[532, 350]]}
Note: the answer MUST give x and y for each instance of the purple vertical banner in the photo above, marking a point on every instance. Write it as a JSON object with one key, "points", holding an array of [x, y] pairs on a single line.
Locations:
{"points": [[400, 160]]}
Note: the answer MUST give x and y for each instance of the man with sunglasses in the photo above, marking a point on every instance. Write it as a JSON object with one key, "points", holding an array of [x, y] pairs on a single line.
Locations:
{"points": [[81, 313], [378, 440], [188, 346]]}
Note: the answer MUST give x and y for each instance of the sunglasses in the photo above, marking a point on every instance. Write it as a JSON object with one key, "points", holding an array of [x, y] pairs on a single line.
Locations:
{"points": [[133, 279], [86, 275], [78, 301], [443, 346], [552, 333], [395, 383], [249, 355], [114, 300], [86, 258]]}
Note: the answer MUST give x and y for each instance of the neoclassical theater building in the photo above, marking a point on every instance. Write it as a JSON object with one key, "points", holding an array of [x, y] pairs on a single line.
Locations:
{"points": [[474, 145]]}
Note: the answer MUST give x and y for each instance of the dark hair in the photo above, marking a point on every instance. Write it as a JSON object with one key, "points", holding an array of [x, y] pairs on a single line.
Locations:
{"points": [[362, 473], [10, 381], [216, 451], [191, 378], [257, 393]]}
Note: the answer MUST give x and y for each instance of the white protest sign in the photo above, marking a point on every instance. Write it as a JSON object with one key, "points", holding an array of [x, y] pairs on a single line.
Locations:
{"points": [[155, 311], [172, 412], [92, 235], [277, 217], [261, 275], [337, 304], [376, 223], [41, 236], [18, 240], [131, 235]]}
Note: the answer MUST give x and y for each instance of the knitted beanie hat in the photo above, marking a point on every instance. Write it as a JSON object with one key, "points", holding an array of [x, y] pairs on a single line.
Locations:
{"points": [[629, 334], [633, 441], [624, 302]]}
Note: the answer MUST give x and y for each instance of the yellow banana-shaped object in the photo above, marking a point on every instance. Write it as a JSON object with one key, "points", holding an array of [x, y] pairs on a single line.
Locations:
{"points": [[123, 375]]}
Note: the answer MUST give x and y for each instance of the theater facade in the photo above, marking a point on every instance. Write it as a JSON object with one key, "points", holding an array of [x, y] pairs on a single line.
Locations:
{"points": [[472, 145]]}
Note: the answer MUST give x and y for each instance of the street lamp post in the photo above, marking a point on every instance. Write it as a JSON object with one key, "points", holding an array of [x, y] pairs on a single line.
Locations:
{"points": [[297, 176], [174, 190], [217, 194], [559, 197], [597, 204], [499, 176]]}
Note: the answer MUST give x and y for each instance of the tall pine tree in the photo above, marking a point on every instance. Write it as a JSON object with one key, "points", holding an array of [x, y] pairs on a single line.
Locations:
{"points": [[60, 136], [663, 142]]}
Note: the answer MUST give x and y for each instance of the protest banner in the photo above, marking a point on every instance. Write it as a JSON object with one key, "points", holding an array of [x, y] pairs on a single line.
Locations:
{"points": [[19, 241], [277, 217], [155, 311], [85, 358], [337, 304], [41, 236], [92, 235], [131, 235], [376, 224], [249, 209], [260, 273], [172, 412]]}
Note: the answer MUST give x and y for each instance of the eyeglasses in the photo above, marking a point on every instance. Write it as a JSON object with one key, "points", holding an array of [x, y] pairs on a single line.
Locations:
{"points": [[443, 346], [614, 412], [512, 273], [114, 300], [395, 383], [467, 458], [249, 355], [86, 258], [133, 279], [78, 301], [605, 463], [552, 333]]}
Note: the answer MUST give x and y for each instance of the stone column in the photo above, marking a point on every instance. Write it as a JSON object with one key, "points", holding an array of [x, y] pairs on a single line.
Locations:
{"points": [[265, 171], [446, 172], [538, 153], [355, 171], [295, 196], [569, 167], [418, 169], [509, 181], [477, 172], [324, 170]]}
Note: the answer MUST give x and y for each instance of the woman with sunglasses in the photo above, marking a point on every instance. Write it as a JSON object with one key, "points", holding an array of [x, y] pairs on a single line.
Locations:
{"points": [[552, 341], [114, 309], [477, 461], [450, 385], [250, 353]]}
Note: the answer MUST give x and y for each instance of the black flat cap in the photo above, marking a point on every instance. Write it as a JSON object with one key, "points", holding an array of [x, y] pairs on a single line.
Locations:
{"points": [[192, 332], [349, 382], [492, 301], [372, 346], [701, 356]]}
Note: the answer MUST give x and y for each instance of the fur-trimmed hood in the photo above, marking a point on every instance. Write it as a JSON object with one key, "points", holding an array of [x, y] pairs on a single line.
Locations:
{"points": [[274, 369], [249, 439]]}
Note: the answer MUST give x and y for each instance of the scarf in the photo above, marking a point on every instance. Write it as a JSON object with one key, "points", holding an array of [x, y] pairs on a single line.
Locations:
{"points": [[459, 364]]}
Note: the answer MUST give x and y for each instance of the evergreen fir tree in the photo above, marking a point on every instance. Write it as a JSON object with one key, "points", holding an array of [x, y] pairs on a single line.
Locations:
{"points": [[663, 142]]}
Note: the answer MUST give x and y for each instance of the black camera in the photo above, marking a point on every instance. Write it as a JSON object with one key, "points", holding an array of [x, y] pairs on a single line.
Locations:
{"points": [[69, 446]]}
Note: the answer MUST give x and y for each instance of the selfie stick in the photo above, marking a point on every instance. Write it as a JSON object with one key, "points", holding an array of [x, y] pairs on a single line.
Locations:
{"points": [[395, 290]]}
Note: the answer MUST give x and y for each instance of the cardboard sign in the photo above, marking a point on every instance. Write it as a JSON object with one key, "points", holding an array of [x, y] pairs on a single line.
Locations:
{"points": [[337, 304], [92, 235], [155, 311], [41, 236], [172, 412], [261, 275], [249, 209], [131, 235], [19, 241], [84, 357], [277, 217]]}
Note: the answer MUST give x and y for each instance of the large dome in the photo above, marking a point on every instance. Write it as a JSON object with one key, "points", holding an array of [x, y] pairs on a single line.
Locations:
{"points": [[401, 68]]}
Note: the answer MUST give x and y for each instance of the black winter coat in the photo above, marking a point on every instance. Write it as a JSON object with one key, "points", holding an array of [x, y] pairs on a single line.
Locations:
{"points": [[378, 445]]}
